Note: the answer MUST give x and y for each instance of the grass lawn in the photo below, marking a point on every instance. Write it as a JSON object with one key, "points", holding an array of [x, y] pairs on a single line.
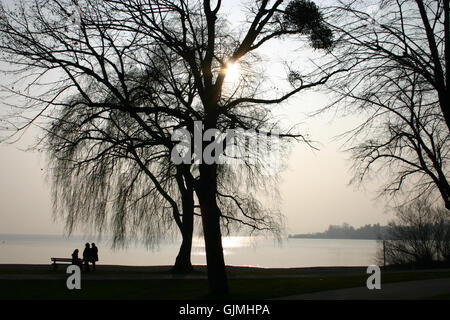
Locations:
{"points": [[192, 289], [441, 297]]}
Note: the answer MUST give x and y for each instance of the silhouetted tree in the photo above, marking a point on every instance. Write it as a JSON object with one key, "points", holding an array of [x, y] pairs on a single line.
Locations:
{"points": [[397, 53], [104, 165], [91, 146], [114, 37], [405, 139], [419, 235], [207, 59]]}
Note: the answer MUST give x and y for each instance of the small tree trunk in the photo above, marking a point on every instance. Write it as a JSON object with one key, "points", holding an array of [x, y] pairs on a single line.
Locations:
{"points": [[183, 261]]}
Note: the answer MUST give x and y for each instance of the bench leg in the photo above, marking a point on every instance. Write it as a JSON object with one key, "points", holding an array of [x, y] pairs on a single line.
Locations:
{"points": [[54, 266]]}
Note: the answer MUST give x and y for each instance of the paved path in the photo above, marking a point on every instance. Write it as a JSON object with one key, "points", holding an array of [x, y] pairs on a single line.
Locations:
{"points": [[408, 290]]}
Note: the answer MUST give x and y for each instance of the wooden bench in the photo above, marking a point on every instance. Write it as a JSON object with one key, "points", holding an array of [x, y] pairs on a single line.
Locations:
{"points": [[57, 261]]}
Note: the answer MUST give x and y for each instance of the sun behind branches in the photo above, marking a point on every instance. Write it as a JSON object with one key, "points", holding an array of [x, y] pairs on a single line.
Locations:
{"points": [[232, 72]]}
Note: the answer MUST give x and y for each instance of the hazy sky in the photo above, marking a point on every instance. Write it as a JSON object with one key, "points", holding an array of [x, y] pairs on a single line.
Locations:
{"points": [[315, 190]]}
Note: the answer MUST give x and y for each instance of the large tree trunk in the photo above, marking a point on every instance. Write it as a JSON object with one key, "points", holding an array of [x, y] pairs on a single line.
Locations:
{"points": [[217, 276]]}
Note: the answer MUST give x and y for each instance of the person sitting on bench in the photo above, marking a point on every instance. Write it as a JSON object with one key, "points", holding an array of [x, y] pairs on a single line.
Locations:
{"points": [[75, 260]]}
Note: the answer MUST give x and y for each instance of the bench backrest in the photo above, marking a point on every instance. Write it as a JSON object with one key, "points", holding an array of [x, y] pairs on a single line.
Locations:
{"points": [[61, 259]]}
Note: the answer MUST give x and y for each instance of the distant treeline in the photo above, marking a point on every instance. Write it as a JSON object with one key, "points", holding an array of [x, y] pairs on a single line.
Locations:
{"points": [[346, 231]]}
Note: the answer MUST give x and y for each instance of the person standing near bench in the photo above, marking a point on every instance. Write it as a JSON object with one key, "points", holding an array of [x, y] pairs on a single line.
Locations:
{"points": [[86, 256], [94, 255]]}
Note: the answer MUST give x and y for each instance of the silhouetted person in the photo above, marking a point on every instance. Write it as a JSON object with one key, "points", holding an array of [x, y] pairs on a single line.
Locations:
{"points": [[86, 256], [75, 260], [94, 255]]}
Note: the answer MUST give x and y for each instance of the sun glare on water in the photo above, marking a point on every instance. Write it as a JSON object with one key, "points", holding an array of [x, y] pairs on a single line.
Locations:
{"points": [[230, 244]]}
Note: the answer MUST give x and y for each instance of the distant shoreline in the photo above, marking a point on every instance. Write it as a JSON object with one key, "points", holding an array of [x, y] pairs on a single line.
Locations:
{"points": [[312, 237], [347, 232]]}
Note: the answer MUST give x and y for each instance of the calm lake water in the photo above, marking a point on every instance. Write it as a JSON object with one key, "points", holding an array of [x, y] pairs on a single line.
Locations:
{"points": [[239, 251]]}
